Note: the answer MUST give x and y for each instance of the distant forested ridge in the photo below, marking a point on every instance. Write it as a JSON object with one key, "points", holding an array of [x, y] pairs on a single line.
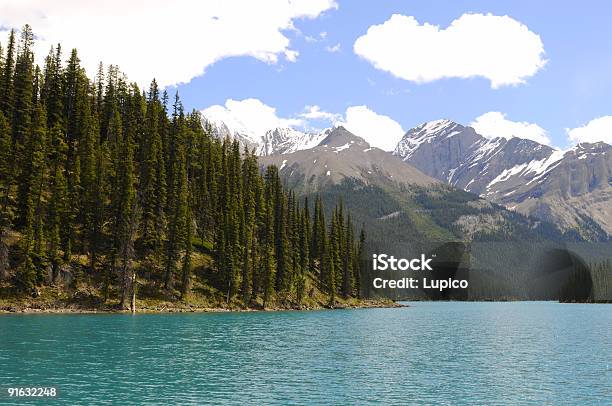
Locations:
{"points": [[117, 187], [505, 255]]}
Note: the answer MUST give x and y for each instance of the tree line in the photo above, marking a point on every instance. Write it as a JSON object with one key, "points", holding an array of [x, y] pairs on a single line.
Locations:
{"points": [[100, 175]]}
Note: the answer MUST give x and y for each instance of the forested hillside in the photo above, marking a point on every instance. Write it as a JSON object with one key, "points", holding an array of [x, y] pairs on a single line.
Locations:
{"points": [[505, 255], [115, 191]]}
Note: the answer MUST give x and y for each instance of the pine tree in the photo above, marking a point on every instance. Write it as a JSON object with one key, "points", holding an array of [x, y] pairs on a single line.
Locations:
{"points": [[361, 265], [6, 177], [268, 268], [100, 193], [126, 212], [117, 177], [58, 204], [259, 238], [33, 178], [177, 192], [249, 176], [22, 118], [186, 213], [304, 254], [348, 278], [88, 180], [320, 246], [332, 258], [6, 83], [100, 169], [52, 88], [152, 172], [280, 232]]}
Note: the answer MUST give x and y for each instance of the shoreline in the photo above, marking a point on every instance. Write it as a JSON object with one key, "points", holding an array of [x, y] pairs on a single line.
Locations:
{"points": [[167, 308]]}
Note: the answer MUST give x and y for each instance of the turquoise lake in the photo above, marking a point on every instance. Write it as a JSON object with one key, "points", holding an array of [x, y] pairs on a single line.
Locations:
{"points": [[428, 353]]}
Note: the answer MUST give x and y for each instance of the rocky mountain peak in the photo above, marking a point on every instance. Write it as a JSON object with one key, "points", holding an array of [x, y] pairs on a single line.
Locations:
{"points": [[343, 155], [340, 137], [593, 148], [563, 187], [434, 132], [288, 140]]}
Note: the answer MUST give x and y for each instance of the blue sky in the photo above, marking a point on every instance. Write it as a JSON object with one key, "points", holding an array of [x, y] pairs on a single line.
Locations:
{"points": [[573, 88], [277, 55]]}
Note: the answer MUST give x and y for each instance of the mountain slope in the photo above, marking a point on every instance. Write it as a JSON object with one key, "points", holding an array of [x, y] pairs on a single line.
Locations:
{"points": [[385, 190], [406, 213], [341, 155], [571, 189]]}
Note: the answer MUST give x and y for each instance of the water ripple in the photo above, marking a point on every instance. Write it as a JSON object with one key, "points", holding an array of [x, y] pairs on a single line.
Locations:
{"points": [[439, 353]]}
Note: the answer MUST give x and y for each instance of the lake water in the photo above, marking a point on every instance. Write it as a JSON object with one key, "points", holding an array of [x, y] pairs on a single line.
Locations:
{"points": [[431, 352]]}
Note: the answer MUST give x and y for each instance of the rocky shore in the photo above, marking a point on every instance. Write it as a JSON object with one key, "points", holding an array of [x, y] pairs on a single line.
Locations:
{"points": [[179, 307]]}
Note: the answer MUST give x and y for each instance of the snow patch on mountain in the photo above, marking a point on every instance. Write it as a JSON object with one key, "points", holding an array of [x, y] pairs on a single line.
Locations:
{"points": [[519, 173], [425, 133], [273, 141], [342, 147], [535, 169]]}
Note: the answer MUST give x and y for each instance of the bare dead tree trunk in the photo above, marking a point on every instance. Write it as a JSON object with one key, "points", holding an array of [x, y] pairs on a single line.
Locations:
{"points": [[133, 289], [229, 290]]}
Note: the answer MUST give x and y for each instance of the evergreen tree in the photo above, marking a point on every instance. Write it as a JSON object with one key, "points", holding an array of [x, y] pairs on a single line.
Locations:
{"points": [[6, 83], [52, 87], [22, 118], [361, 268], [176, 205], [58, 204], [304, 254], [33, 178], [100, 169], [5, 187], [125, 209], [348, 279], [268, 268]]}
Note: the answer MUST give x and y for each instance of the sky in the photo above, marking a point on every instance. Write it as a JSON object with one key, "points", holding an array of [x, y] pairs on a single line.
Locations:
{"points": [[534, 69]]}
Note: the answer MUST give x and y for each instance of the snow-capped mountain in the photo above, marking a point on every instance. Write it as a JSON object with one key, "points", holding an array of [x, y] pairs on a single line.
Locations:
{"points": [[288, 140], [222, 130], [572, 189], [400, 204], [341, 155], [273, 141]]}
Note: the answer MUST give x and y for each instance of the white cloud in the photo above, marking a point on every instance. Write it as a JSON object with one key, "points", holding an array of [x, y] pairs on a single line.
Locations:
{"points": [[599, 129], [252, 117], [249, 116], [173, 40], [497, 48], [291, 55], [315, 113], [495, 124], [333, 49], [378, 130]]}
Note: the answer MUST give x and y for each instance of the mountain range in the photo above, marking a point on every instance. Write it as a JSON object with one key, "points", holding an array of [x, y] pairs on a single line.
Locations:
{"points": [[570, 189], [341, 155]]}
